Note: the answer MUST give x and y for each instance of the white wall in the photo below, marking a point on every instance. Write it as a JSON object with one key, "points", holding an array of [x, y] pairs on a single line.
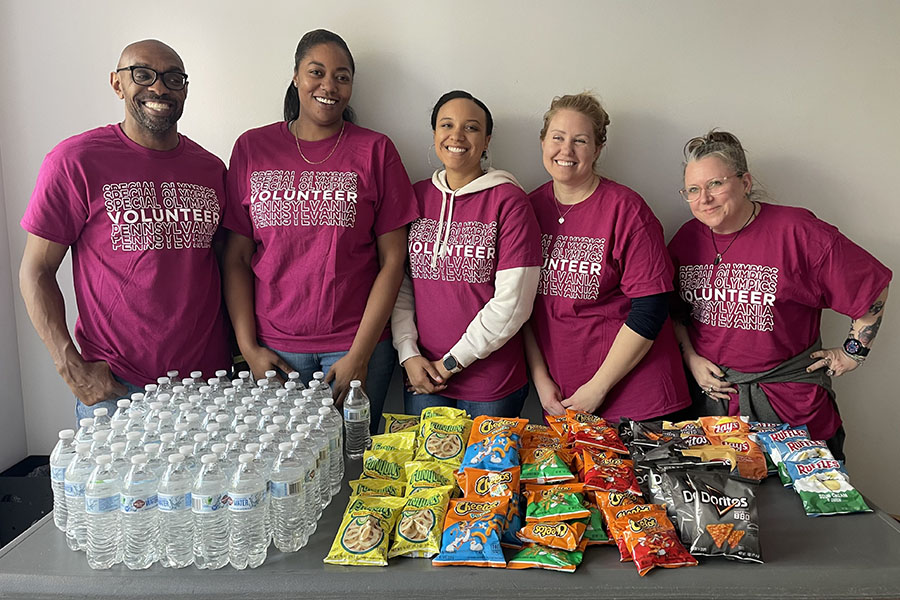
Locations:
{"points": [[811, 88]]}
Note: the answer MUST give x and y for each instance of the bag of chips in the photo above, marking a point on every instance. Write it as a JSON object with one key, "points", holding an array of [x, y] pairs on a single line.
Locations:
{"points": [[494, 443], [404, 441], [534, 556], [369, 486], [751, 462], [385, 464], [562, 535], [691, 432], [594, 532], [560, 426], [719, 426], [362, 538], [419, 525], [824, 488], [612, 502], [485, 485], [543, 465], [428, 474], [652, 542], [620, 522], [726, 518], [609, 475], [444, 439], [472, 533], [555, 502], [447, 412], [593, 431], [396, 423]]}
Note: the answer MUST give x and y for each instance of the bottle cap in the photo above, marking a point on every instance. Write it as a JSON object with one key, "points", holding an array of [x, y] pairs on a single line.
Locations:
{"points": [[151, 387], [178, 389], [167, 437], [186, 451], [204, 389], [117, 447], [241, 428], [86, 422], [99, 435], [66, 434], [218, 448], [101, 412], [296, 436], [232, 437], [150, 448], [327, 401], [133, 435], [324, 410], [303, 428], [278, 419], [211, 382], [175, 458], [103, 459], [165, 414], [252, 448], [208, 458], [266, 438], [293, 375], [319, 375], [196, 374], [245, 458], [162, 380], [296, 411], [201, 437], [221, 373], [285, 446], [308, 392], [83, 447], [355, 383], [137, 396], [172, 374], [270, 373], [123, 403], [312, 419], [138, 459], [164, 398]]}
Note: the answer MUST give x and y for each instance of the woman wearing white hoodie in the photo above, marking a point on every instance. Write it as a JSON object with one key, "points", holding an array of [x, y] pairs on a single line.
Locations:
{"points": [[474, 264]]}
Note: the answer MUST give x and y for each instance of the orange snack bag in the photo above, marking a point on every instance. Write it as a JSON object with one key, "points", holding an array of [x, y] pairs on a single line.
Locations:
{"points": [[751, 462], [721, 426], [560, 534], [652, 541]]}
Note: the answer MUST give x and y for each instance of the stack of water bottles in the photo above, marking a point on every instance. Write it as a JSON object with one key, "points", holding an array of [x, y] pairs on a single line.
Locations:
{"points": [[199, 472]]}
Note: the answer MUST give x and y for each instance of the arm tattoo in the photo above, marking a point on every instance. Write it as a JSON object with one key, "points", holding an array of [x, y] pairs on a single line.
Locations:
{"points": [[877, 307], [868, 333]]}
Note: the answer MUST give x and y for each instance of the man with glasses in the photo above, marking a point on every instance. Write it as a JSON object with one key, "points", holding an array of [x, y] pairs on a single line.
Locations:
{"points": [[139, 205]]}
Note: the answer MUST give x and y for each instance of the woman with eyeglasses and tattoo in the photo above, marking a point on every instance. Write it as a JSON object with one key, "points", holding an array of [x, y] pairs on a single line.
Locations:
{"points": [[317, 213], [599, 340], [474, 260], [753, 278]]}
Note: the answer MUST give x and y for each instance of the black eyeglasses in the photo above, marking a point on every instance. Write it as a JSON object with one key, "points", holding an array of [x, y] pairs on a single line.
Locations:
{"points": [[145, 76]]}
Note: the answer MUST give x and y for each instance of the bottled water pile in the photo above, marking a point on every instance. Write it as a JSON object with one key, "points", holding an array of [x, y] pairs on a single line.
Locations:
{"points": [[203, 472]]}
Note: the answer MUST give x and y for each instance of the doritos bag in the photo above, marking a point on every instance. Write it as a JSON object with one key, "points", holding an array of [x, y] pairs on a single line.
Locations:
{"points": [[726, 518]]}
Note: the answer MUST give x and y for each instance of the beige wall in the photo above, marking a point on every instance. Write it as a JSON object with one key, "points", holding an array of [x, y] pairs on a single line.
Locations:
{"points": [[811, 87]]}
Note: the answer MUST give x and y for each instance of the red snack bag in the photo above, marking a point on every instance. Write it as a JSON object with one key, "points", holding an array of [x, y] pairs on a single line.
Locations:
{"points": [[590, 430], [610, 475], [653, 542], [620, 521]]}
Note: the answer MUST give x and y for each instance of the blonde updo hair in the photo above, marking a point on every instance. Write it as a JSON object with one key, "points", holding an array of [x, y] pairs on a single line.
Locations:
{"points": [[587, 105]]}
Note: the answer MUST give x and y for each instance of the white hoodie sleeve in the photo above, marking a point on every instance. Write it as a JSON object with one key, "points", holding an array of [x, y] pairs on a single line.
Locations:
{"points": [[501, 317], [403, 322]]}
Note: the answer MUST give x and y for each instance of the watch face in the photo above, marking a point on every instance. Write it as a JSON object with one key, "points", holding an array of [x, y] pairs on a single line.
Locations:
{"points": [[450, 363], [852, 346]]}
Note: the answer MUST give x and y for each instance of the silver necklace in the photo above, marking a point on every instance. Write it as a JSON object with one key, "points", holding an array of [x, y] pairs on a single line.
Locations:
{"points": [[333, 148], [712, 236], [562, 216]]}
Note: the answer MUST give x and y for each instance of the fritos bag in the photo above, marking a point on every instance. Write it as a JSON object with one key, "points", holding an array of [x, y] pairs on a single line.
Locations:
{"points": [[726, 519], [558, 502], [653, 542], [396, 423], [419, 525], [362, 538], [472, 533], [444, 439], [534, 556], [370, 486]]}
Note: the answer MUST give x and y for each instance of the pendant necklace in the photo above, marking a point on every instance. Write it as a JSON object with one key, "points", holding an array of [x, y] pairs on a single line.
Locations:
{"points": [[712, 236], [333, 148], [562, 215]]}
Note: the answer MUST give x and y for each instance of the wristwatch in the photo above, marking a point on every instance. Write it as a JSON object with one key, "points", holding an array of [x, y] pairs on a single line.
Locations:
{"points": [[855, 349], [451, 363]]}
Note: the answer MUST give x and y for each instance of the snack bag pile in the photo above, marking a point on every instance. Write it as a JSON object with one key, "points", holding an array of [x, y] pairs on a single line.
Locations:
{"points": [[398, 505], [809, 466]]}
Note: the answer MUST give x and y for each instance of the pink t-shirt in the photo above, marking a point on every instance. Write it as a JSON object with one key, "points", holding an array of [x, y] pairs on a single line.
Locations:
{"points": [[315, 227], [763, 303], [140, 224], [609, 249], [491, 230]]}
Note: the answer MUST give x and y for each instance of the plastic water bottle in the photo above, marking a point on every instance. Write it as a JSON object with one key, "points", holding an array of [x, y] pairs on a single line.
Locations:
{"points": [[156, 463], [101, 418], [310, 481], [318, 448], [209, 505], [356, 421], [247, 516], [101, 507], [85, 430], [140, 526], [60, 457], [77, 474], [117, 431], [176, 523], [190, 461], [135, 420], [120, 462], [100, 443], [317, 432], [121, 413], [287, 508], [331, 423], [272, 380]]}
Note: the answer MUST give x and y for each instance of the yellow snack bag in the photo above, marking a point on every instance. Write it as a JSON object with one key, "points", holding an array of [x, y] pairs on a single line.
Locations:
{"points": [[396, 423], [444, 440], [429, 474], [445, 412], [370, 486], [362, 538], [421, 523], [395, 441], [386, 464]]}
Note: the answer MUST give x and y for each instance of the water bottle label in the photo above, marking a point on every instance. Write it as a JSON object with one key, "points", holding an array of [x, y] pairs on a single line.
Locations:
{"points": [[98, 506], [356, 413], [134, 504], [74, 490], [58, 474], [286, 489], [174, 502], [208, 503], [242, 502]]}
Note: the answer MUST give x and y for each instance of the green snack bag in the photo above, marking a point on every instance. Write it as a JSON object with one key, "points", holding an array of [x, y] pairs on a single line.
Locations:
{"points": [[534, 556]]}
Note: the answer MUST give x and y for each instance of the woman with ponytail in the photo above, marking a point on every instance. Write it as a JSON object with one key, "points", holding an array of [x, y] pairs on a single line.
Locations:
{"points": [[317, 212]]}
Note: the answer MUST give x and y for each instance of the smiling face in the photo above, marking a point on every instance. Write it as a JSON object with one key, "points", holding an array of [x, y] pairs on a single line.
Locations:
{"points": [[460, 139], [727, 210], [152, 110], [569, 148], [324, 80]]}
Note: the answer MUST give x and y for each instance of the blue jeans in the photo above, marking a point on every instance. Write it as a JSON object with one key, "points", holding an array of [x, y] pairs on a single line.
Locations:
{"points": [[83, 410], [381, 367], [508, 406]]}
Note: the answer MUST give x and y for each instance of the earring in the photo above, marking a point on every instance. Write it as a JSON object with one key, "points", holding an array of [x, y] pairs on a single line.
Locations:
{"points": [[486, 156]]}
